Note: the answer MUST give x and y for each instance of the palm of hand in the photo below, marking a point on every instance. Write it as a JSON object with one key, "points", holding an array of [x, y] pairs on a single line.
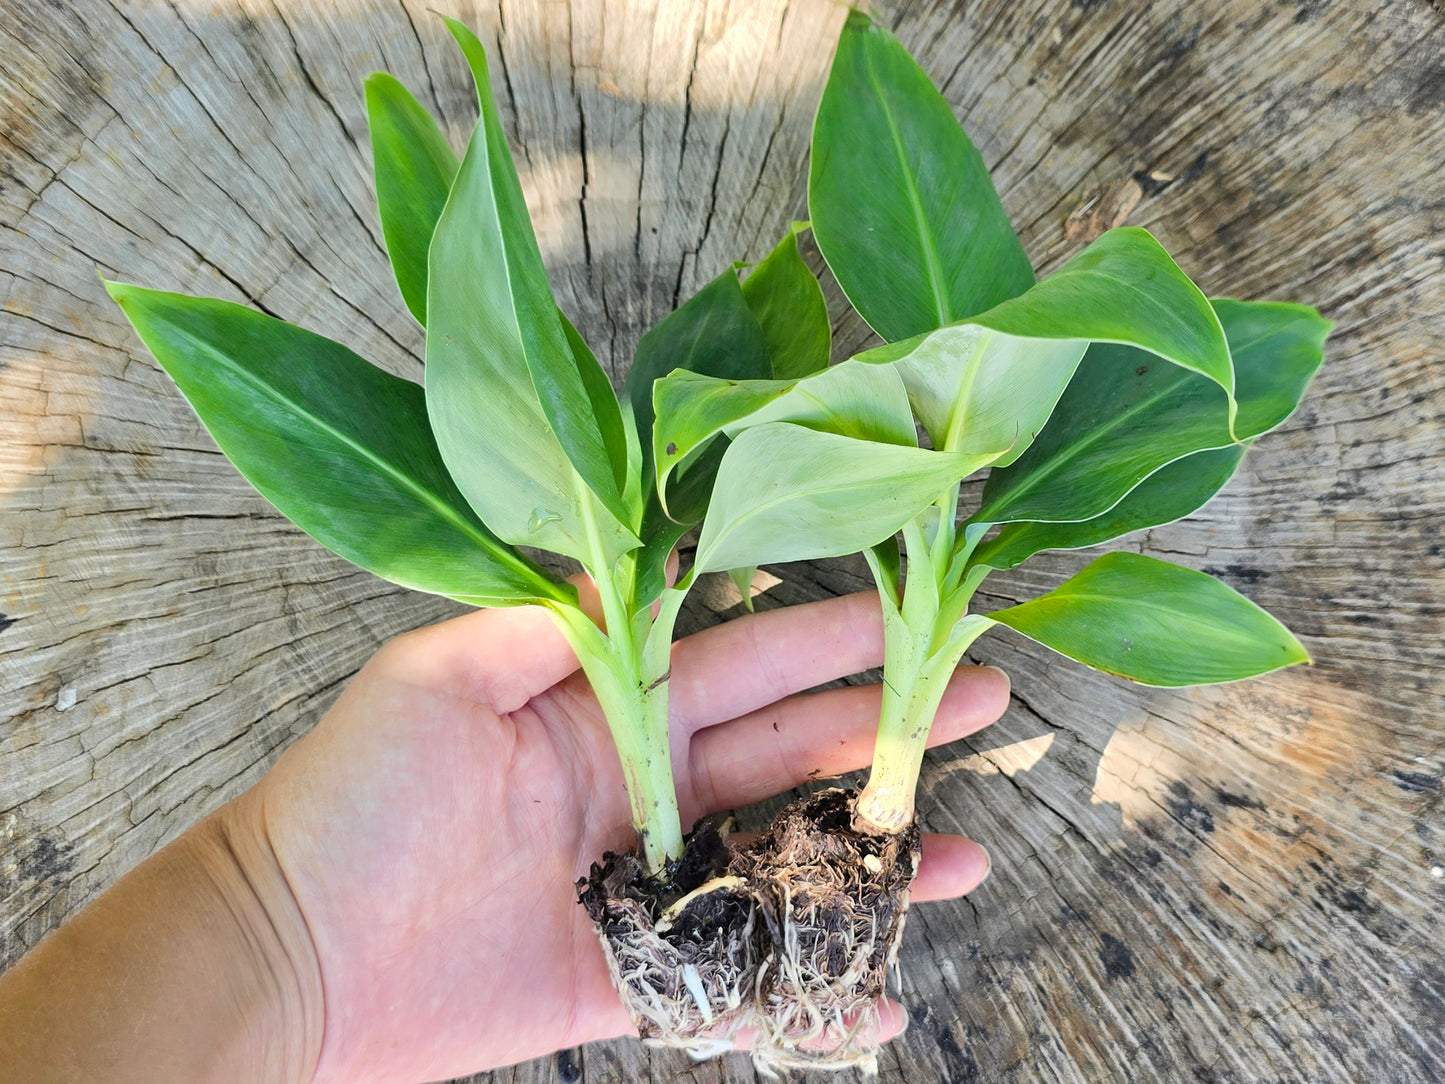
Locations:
{"points": [[433, 825]]}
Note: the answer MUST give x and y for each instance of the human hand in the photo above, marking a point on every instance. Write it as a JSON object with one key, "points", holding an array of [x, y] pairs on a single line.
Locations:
{"points": [[430, 829]]}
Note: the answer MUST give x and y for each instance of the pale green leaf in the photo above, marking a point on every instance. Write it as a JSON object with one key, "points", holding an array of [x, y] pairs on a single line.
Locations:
{"points": [[852, 400], [526, 327], [788, 493], [490, 424], [987, 385]]}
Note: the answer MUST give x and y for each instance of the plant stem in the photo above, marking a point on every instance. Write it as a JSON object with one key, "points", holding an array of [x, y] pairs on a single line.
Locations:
{"points": [[630, 684], [636, 710], [628, 667], [924, 641]]}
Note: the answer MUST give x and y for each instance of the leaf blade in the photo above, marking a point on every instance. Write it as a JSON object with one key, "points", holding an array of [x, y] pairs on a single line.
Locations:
{"points": [[714, 334], [341, 448], [1172, 492], [1124, 417], [1155, 623], [584, 424], [788, 493], [866, 402], [413, 166], [788, 303], [916, 236]]}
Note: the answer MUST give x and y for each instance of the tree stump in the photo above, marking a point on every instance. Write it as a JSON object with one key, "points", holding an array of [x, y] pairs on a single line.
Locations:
{"points": [[1241, 883]]}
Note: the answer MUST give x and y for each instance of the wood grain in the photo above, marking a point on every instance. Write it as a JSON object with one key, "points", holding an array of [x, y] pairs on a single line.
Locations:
{"points": [[1243, 883]]}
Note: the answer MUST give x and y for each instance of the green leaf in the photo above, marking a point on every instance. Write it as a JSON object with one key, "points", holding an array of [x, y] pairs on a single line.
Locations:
{"points": [[978, 391], [1172, 492], [987, 385], [886, 563], [1155, 623], [743, 580], [691, 492], [788, 493], [1277, 347], [414, 166], [713, 333], [1124, 416], [340, 447], [516, 316], [901, 204], [867, 402], [606, 411], [490, 422], [788, 303], [1124, 288]]}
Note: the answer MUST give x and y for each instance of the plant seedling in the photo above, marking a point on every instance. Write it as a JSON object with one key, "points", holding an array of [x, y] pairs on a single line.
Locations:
{"points": [[1110, 397], [517, 441]]}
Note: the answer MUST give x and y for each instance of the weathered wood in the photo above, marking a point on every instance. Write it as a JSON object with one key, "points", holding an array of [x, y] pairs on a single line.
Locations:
{"points": [[1241, 883]]}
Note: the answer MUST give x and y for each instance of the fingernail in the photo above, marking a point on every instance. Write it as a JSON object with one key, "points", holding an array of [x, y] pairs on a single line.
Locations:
{"points": [[1007, 684], [983, 859]]}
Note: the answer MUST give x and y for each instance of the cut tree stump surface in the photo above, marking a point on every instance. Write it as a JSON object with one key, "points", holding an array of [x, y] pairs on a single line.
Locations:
{"points": [[1243, 883]]}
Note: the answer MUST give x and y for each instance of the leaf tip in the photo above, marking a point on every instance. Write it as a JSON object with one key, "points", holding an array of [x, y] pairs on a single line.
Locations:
{"points": [[120, 292]]}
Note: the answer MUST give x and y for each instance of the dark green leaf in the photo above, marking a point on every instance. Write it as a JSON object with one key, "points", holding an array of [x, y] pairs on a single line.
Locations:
{"points": [[901, 203], [414, 166], [1124, 288], [690, 494], [1155, 623], [713, 333], [527, 326], [786, 493], [605, 409], [1124, 415], [1277, 347], [1170, 493], [339, 446], [788, 303]]}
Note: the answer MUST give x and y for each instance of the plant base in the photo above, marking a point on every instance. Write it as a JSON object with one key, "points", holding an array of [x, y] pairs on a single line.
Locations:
{"points": [[790, 937], [683, 951], [833, 903]]}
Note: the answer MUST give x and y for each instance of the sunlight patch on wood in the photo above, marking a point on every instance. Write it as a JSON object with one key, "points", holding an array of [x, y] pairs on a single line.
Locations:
{"points": [[1006, 760]]}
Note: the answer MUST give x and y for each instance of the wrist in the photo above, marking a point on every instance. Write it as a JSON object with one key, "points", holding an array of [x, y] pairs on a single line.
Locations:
{"points": [[194, 966], [277, 981]]}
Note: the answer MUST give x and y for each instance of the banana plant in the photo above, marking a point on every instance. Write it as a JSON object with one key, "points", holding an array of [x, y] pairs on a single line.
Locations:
{"points": [[517, 441], [1110, 397]]}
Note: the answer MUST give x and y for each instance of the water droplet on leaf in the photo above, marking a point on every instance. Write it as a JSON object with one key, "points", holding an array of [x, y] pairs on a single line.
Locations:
{"points": [[541, 516]]}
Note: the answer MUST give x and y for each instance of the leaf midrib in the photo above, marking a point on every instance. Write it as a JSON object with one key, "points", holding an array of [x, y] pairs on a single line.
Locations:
{"points": [[930, 250], [1094, 435], [1231, 631], [440, 507]]}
